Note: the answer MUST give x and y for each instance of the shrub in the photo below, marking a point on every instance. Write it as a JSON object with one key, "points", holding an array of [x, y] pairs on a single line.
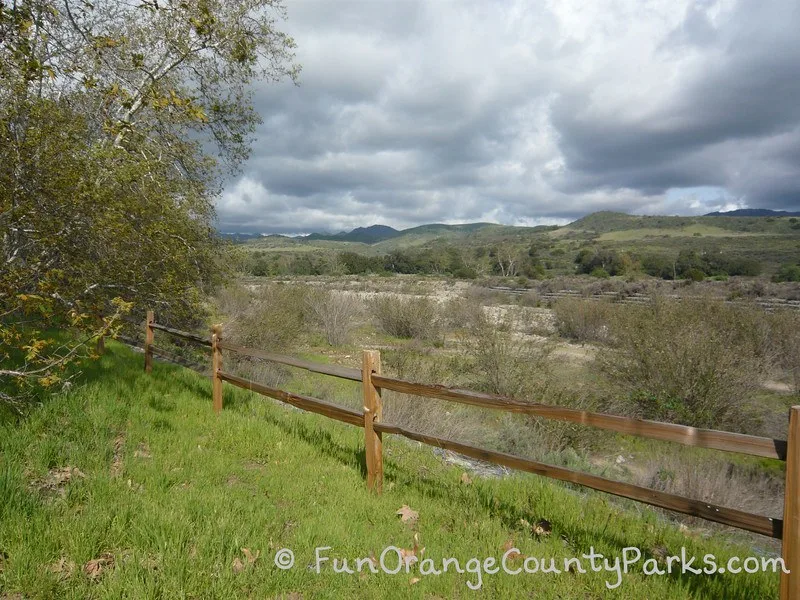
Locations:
{"points": [[547, 439], [787, 273], [694, 274], [583, 320], [600, 273], [334, 313], [273, 320], [503, 362], [713, 480], [694, 362], [785, 339], [417, 318], [233, 301]]}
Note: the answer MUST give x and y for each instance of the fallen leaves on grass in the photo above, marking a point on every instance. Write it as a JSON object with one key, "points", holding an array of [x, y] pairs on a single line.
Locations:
{"points": [[95, 568], [407, 514], [63, 567], [116, 461], [542, 528], [249, 559], [142, 451], [413, 554], [56, 480], [508, 547], [237, 565]]}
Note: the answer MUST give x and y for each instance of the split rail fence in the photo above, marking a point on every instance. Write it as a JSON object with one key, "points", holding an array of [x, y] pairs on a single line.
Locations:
{"points": [[373, 382]]}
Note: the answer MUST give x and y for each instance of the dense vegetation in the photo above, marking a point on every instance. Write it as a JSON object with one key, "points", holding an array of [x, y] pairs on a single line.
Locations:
{"points": [[117, 123], [601, 245]]}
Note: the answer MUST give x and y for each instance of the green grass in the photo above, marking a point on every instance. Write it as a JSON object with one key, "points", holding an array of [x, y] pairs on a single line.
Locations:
{"points": [[626, 235], [193, 488]]}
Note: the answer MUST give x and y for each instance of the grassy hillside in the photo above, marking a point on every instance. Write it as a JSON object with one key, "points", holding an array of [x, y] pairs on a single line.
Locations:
{"points": [[129, 486], [605, 222], [771, 241]]}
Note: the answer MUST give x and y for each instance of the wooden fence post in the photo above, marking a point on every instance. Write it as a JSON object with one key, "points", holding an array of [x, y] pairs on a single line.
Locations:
{"points": [[373, 411], [790, 551], [148, 342], [216, 367]]}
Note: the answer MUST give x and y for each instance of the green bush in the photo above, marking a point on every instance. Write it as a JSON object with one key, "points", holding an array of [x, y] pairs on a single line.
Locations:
{"points": [[503, 362], [787, 273], [695, 362], [694, 274], [273, 320]]}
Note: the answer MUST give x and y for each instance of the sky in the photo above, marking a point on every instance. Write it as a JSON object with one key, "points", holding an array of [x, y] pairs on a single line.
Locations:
{"points": [[523, 113]]}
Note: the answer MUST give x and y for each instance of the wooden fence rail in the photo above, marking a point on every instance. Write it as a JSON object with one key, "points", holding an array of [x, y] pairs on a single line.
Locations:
{"points": [[372, 381], [670, 432]]}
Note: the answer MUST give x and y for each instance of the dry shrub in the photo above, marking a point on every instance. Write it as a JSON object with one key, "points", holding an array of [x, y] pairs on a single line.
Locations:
{"points": [[785, 339], [715, 481], [419, 363], [434, 417], [694, 362], [232, 301], [265, 372], [583, 320], [417, 318], [461, 313], [549, 439], [334, 313], [274, 319]]}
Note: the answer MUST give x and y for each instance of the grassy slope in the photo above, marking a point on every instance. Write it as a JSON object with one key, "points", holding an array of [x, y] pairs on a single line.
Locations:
{"points": [[194, 488]]}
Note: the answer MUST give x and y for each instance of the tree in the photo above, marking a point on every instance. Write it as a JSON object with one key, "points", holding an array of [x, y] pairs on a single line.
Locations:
{"points": [[505, 260], [118, 121], [603, 260]]}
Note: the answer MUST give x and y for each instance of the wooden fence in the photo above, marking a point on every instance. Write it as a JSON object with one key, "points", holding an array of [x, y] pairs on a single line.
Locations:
{"points": [[370, 418]]}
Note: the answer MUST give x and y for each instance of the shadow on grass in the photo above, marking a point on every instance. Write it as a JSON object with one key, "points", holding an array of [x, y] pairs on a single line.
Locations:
{"points": [[580, 538]]}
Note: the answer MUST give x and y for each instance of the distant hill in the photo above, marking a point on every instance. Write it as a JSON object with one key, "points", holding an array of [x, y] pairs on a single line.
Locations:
{"points": [[376, 234], [753, 212], [366, 235], [747, 220], [241, 237]]}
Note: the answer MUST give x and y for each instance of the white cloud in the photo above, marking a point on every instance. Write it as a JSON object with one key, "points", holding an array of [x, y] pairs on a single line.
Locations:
{"points": [[518, 112]]}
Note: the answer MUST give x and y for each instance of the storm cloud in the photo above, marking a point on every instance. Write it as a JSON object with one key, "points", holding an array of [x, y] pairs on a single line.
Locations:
{"points": [[524, 113]]}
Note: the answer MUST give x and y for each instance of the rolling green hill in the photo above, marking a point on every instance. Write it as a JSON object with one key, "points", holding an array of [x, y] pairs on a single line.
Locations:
{"points": [[771, 241]]}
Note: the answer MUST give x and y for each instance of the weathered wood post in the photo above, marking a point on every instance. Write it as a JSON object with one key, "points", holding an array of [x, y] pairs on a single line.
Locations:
{"points": [[790, 583], [148, 341], [373, 411], [216, 367]]}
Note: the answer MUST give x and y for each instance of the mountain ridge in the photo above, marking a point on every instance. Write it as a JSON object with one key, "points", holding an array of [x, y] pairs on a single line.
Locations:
{"points": [[753, 212]]}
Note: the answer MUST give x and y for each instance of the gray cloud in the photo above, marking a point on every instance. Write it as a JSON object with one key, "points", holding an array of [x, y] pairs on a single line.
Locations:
{"points": [[411, 112]]}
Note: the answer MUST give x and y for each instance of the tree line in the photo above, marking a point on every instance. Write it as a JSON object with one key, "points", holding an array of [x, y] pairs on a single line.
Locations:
{"points": [[533, 261]]}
